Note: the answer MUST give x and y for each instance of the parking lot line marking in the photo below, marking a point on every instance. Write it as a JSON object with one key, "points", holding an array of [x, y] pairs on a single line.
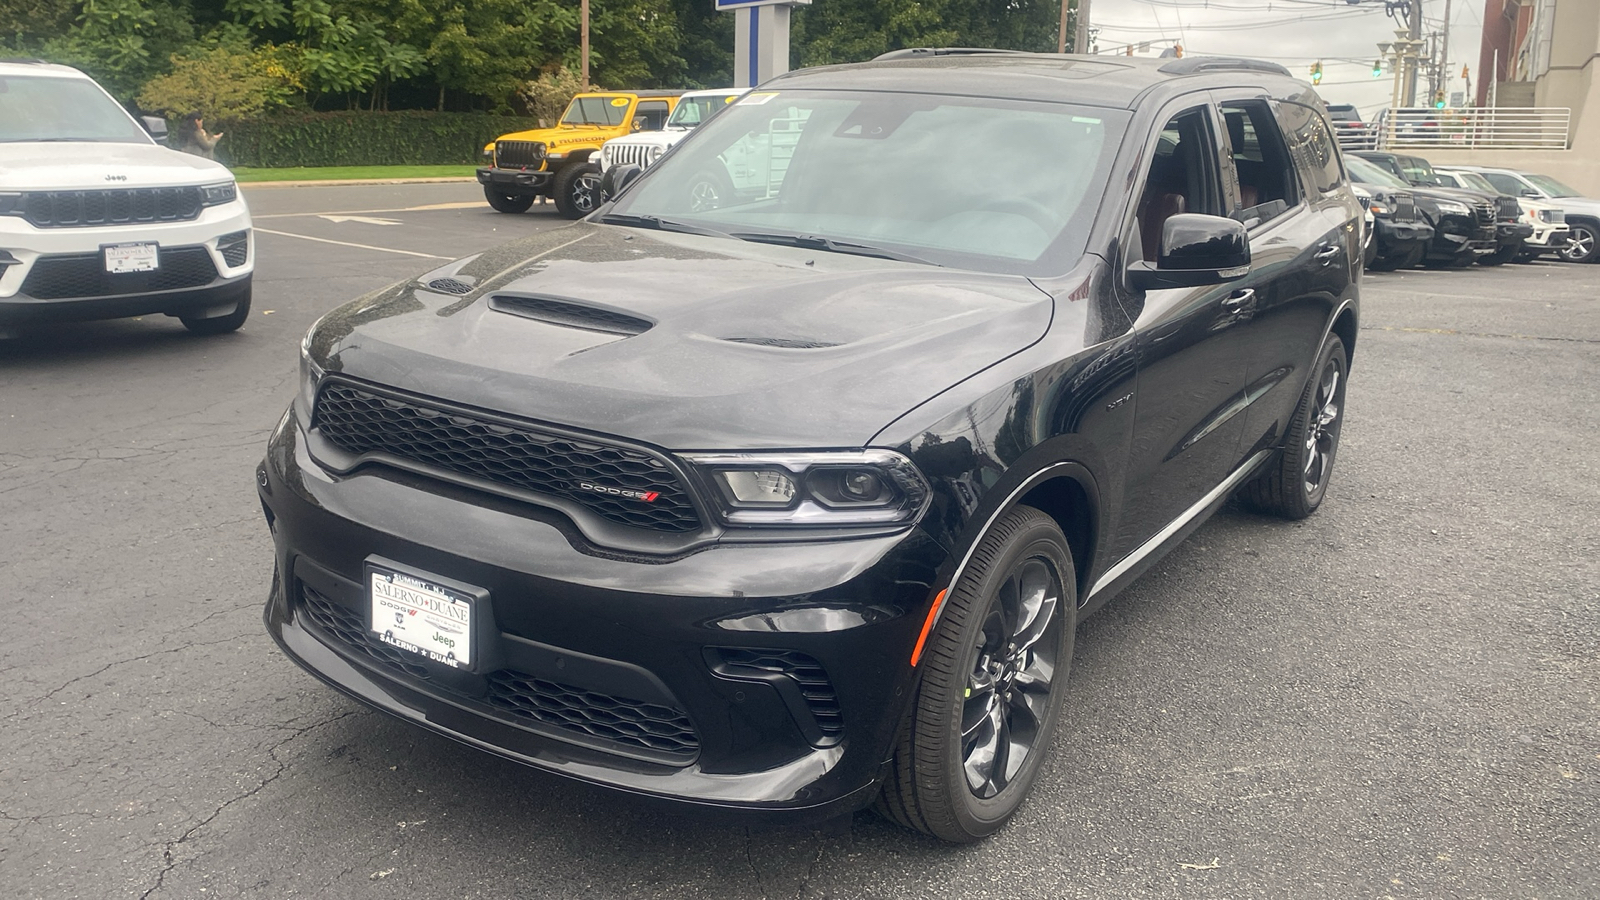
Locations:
{"points": [[307, 237], [473, 204]]}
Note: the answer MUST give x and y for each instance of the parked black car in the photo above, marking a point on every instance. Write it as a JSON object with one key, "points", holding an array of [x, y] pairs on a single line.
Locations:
{"points": [[794, 504], [1493, 230], [1402, 237]]}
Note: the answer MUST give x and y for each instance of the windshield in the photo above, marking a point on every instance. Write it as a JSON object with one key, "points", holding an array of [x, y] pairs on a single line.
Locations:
{"points": [[1417, 170], [691, 111], [606, 111], [1369, 173], [1476, 182], [1551, 186], [46, 108], [892, 171]]}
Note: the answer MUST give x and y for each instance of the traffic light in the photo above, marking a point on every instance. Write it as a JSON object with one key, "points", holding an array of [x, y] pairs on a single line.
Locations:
{"points": [[1316, 72], [1438, 99], [1377, 68]]}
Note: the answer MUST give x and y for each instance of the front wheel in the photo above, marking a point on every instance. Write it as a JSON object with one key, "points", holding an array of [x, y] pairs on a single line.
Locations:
{"points": [[1293, 486], [993, 685], [507, 203], [221, 324], [708, 190], [577, 189], [1583, 243]]}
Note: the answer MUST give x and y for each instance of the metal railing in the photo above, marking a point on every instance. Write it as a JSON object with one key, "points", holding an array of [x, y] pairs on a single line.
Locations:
{"points": [[1496, 128]]}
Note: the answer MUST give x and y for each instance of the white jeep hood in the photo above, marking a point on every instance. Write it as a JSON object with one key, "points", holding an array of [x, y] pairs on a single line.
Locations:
{"points": [[72, 165]]}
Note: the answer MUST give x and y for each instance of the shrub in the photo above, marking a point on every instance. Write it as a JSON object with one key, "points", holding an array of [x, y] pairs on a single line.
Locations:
{"points": [[224, 82], [411, 137], [547, 96]]}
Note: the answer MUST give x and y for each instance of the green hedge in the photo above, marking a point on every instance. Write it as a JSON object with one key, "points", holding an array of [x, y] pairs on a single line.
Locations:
{"points": [[412, 137]]}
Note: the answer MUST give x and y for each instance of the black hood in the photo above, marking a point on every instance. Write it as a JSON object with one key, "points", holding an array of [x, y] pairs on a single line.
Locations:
{"points": [[685, 342]]}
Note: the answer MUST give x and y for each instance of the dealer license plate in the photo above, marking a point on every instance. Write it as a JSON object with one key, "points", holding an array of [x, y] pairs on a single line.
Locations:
{"points": [[425, 618], [132, 258]]}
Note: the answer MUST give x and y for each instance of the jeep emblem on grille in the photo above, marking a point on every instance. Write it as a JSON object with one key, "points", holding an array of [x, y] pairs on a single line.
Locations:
{"points": [[646, 496], [116, 178]]}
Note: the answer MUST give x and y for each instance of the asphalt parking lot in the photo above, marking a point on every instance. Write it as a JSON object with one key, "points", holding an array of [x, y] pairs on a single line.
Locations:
{"points": [[1398, 697]]}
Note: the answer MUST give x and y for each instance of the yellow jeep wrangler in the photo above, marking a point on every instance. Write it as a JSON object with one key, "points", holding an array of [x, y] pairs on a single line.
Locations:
{"points": [[554, 162]]}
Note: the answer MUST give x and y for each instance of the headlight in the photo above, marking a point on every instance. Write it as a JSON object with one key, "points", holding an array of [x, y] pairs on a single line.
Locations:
{"points": [[1544, 215], [654, 153], [489, 151], [218, 194], [1452, 208], [311, 371], [10, 203], [848, 488]]}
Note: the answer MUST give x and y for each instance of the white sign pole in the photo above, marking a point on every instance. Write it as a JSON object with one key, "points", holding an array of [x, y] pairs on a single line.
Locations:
{"points": [[760, 38]]}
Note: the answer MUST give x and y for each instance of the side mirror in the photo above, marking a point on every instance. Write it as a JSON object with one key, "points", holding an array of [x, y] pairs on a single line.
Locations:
{"points": [[1530, 192], [157, 127], [616, 180], [1196, 250]]}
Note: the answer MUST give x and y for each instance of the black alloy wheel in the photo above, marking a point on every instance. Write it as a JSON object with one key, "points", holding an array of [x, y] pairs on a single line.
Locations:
{"points": [[577, 189], [709, 190], [1295, 485], [993, 685], [1583, 244], [505, 202]]}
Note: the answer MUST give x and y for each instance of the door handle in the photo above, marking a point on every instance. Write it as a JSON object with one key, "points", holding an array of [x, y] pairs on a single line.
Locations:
{"points": [[1239, 300], [1328, 252]]}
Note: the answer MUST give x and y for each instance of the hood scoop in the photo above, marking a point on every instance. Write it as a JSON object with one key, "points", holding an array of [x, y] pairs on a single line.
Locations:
{"points": [[452, 285], [570, 314], [785, 343]]}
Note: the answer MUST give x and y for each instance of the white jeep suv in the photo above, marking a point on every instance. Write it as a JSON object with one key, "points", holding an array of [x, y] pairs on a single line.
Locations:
{"points": [[99, 221], [644, 148]]}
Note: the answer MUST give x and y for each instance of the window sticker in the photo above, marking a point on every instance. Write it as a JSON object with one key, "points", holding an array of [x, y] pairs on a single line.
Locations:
{"points": [[619, 101], [758, 99]]}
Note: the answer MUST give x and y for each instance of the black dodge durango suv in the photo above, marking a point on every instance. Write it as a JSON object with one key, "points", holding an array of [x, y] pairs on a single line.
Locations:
{"points": [[789, 500]]}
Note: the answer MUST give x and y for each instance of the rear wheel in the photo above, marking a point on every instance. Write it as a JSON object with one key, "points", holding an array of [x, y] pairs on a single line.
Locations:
{"points": [[1584, 242], [220, 324], [993, 685], [507, 203], [709, 190], [1293, 487], [577, 190]]}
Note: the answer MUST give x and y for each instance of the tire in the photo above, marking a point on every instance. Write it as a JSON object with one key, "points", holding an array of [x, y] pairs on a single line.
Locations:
{"points": [[709, 189], [577, 190], [1527, 256], [953, 736], [507, 203], [1584, 242], [221, 324], [1311, 444], [1500, 257]]}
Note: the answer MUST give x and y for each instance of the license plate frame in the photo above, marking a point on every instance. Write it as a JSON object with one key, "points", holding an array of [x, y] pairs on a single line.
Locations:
{"points": [[137, 256], [432, 617]]}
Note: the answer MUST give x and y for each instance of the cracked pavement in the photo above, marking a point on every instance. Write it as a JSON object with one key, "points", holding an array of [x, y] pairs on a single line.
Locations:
{"points": [[1396, 698]]}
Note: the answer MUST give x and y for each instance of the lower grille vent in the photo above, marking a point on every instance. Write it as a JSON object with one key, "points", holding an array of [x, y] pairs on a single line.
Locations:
{"points": [[85, 275], [798, 677], [345, 625], [662, 729]]}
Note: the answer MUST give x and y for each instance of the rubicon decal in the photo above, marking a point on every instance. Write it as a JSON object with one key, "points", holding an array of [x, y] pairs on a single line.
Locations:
{"points": [[646, 496]]}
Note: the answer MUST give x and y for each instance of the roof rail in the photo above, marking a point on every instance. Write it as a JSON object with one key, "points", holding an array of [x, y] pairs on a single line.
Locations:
{"points": [[917, 52], [1194, 65]]}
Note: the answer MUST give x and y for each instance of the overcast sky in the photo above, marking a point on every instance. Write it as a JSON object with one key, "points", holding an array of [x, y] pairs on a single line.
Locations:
{"points": [[1295, 33]]}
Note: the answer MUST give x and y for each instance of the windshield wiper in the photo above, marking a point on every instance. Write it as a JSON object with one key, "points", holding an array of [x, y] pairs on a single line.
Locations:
{"points": [[660, 224], [831, 245]]}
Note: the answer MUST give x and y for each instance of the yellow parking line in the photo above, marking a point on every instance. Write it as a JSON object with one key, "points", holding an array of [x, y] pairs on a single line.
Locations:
{"points": [[307, 237]]}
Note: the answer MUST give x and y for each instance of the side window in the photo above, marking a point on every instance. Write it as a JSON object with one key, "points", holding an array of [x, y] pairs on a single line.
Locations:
{"points": [[1182, 177], [1261, 161], [654, 113], [1505, 184], [1311, 146], [1416, 170]]}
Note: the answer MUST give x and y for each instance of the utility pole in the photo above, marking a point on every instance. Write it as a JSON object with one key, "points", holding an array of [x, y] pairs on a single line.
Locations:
{"points": [[1061, 38], [1444, 56], [1414, 11], [1080, 40], [585, 32]]}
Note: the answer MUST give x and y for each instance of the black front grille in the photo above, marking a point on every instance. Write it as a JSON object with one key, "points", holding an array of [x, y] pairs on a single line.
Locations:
{"points": [[620, 484], [663, 729], [805, 672], [346, 626], [1510, 209], [533, 703], [66, 209], [1405, 208], [571, 315], [85, 275], [1484, 211], [517, 154]]}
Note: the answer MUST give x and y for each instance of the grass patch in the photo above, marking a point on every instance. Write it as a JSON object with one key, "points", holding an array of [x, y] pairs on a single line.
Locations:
{"points": [[247, 175]]}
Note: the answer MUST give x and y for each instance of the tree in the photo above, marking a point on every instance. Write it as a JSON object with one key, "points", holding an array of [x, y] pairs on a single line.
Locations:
{"points": [[227, 81], [122, 43]]}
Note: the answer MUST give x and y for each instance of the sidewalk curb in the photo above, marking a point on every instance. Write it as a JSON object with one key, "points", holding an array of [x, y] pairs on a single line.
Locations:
{"points": [[336, 182]]}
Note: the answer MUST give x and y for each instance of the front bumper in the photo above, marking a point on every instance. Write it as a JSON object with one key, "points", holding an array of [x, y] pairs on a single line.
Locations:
{"points": [[1512, 234], [522, 181], [1550, 236], [669, 634]]}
